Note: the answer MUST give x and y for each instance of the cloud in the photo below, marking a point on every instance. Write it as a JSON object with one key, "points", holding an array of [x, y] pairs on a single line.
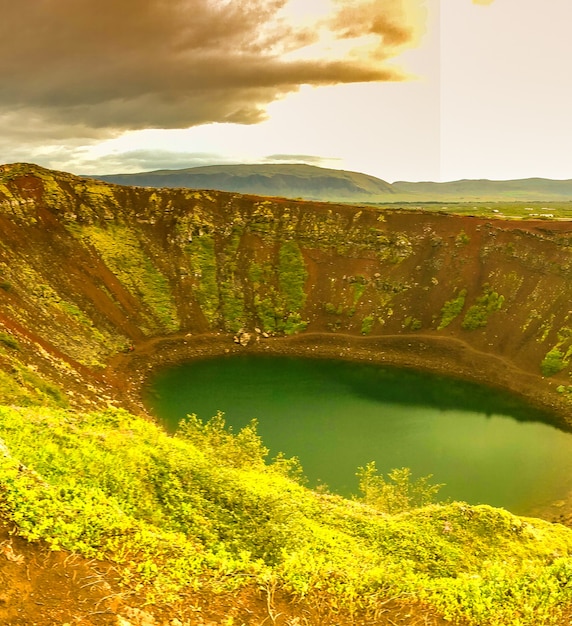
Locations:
{"points": [[148, 160], [144, 160], [302, 158], [81, 160], [95, 68]]}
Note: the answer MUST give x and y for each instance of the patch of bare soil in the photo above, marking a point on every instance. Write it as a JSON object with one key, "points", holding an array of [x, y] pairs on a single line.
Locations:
{"points": [[39, 587]]}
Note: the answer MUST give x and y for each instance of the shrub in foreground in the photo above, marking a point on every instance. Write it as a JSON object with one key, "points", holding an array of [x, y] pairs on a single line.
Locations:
{"points": [[205, 509]]}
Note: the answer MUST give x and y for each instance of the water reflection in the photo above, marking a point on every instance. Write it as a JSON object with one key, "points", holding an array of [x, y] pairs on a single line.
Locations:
{"points": [[336, 416]]}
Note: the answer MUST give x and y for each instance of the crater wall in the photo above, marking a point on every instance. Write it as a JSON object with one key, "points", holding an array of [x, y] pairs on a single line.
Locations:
{"points": [[90, 272]]}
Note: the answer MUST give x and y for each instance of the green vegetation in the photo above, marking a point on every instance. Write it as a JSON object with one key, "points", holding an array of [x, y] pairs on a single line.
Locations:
{"points": [[292, 277], [558, 357], [204, 509], [554, 361], [294, 324], [122, 253], [332, 309], [413, 323], [451, 309], [510, 198], [9, 341], [478, 314], [105, 342], [262, 279], [496, 209], [230, 285], [277, 287], [367, 324], [359, 286], [75, 333], [23, 387], [462, 239], [395, 248], [399, 493], [201, 251]]}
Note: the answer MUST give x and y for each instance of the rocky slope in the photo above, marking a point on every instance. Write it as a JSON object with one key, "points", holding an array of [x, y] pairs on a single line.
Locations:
{"points": [[90, 272]]}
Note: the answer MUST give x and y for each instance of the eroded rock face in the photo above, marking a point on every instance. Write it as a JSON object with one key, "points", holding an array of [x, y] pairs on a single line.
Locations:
{"points": [[90, 270]]}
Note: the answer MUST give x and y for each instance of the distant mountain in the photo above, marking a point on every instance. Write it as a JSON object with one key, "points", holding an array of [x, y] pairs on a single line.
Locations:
{"points": [[317, 183], [293, 181], [526, 189]]}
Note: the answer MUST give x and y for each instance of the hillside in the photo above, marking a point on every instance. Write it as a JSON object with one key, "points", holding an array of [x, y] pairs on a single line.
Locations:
{"points": [[322, 184], [294, 181], [524, 190], [101, 284]]}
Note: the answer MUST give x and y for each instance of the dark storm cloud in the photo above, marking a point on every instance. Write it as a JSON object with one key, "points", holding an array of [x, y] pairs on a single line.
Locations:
{"points": [[100, 66]]}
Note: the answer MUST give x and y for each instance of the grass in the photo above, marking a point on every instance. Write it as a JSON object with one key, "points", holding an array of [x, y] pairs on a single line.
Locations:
{"points": [[23, 387], [204, 509], [122, 253], [279, 290], [9, 341], [452, 309], [493, 210], [75, 332], [412, 323], [554, 361], [367, 324], [230, 285], [262, 280], [462, 239], [201, 251], [276, 286], [292, 277], [478, 314]]}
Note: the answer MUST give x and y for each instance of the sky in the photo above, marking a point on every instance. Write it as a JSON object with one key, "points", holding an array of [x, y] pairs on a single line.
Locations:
{"points": [[400, 89]]}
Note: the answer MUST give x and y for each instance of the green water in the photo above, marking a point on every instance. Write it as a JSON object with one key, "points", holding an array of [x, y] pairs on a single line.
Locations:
{"points": [[335, 416]]}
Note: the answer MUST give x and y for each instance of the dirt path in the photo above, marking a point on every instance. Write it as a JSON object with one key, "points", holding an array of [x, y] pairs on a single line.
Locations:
{"points": [[447, 356]]}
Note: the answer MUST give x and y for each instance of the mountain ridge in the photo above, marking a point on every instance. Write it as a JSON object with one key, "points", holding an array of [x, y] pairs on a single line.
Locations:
{"points": [[311, 182]]}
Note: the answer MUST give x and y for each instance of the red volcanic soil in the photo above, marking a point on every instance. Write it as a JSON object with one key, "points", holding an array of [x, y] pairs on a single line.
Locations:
{"points": [[39, 587]]}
